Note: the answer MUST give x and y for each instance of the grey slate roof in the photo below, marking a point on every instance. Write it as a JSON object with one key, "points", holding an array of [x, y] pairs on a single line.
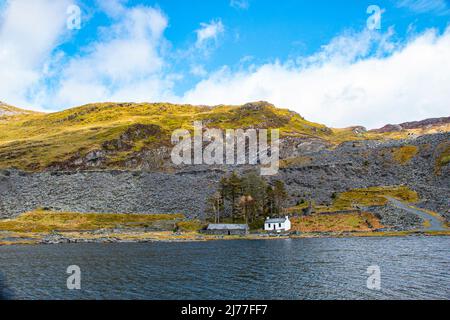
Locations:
{"points": [[276, 220], [223, 226]]}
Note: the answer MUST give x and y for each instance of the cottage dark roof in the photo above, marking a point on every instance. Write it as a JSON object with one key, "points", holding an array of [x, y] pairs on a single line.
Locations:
{"points": [[276, 220], [227, 227]]}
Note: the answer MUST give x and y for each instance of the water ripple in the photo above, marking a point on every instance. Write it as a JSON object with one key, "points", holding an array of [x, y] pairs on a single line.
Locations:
{"points": [[411, 268]]}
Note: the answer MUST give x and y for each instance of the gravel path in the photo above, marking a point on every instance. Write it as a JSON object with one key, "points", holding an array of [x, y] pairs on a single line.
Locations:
{"points": [[435, 223]]}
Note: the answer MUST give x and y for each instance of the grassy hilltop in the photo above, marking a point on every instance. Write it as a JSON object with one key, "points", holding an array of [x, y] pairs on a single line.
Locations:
{"points": [[35, 141]]}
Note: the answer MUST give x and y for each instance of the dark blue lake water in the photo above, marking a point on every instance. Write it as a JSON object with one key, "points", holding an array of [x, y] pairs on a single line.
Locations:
{"points": [[411, 268]]}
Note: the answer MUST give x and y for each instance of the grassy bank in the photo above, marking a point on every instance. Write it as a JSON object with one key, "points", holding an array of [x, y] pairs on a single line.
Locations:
{"points": [[374, 196], [33, 227], [351, 222], [354, 199], [41, 221]]}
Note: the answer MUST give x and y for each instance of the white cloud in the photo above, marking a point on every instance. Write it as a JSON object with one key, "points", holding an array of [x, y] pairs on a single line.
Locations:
{"points": [[351, 81], [209, 32], [240, 4], [29, 32], [124, 65], [198, 70], [423, 6], [113, 8]]}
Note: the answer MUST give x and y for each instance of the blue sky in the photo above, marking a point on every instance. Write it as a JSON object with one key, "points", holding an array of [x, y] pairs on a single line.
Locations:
{"points": [[314, 57], [261, 31]]}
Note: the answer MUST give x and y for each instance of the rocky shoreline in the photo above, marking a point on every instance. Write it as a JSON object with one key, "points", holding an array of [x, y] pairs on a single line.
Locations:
{"points": [[62, 238]]}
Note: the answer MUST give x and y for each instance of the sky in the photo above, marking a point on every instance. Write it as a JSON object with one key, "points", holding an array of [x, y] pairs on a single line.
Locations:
{"points": [[340, 63]]}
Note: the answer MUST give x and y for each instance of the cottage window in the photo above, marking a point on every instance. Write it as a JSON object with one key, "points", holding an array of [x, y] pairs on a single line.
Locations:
{"points": [[280, 225]]}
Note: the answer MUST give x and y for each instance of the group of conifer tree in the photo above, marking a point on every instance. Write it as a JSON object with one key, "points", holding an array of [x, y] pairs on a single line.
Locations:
{"points": [[246, 198]]}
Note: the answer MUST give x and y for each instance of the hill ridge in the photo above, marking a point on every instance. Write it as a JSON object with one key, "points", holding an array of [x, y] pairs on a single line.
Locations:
{"points": [[137, 135]]}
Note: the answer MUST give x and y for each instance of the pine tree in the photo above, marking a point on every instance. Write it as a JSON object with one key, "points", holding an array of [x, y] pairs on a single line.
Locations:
{"points": [[280, 195], [223, 189], [233, 191], [248, 208], [270, 201], [255, 186], [215, 206], [249, 197]]}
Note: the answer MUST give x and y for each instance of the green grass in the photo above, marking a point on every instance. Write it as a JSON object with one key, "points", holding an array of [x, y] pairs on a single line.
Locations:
{"points": [[404, 154], [295, 162], [298, 208], [190, 226], [443, 156], [373, 196], [47, 221], [351, 199], [352, 222], [445, 159]]}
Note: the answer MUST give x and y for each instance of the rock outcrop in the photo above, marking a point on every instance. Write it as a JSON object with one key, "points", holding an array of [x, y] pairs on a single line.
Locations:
{"points": [[427, 123]]}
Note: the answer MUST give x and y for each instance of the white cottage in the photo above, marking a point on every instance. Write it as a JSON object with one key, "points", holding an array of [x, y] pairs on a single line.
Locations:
{"points": [[277, 224]]}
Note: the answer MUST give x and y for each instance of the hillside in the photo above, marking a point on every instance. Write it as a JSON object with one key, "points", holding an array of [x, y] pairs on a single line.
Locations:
{"points": [[437, 124], [7, 111], [137, 135], [120, 131]]}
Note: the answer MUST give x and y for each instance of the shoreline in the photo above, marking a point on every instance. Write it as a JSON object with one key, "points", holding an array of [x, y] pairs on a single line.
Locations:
{"points": [[170, 237]]}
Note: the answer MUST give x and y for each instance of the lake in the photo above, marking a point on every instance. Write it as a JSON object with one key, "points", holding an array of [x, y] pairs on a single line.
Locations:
{"points": [[326, 268]]}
